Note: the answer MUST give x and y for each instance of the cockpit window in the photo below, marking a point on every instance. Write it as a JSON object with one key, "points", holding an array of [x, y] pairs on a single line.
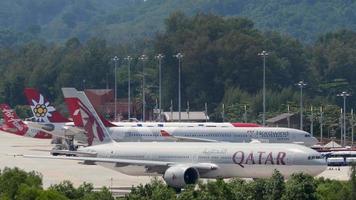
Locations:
{"points": [[307, 135]]}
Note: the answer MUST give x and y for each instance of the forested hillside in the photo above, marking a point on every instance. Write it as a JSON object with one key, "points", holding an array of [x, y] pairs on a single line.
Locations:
{"points": [[220, 66], [126, 20]]}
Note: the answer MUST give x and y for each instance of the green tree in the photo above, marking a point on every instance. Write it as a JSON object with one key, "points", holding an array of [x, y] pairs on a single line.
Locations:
{"points": [[218, 189], [103, 194], [51, 195], [275, 186], [26, 192], [11, 180], [332, 189], [300, 187], [67, 189], [353, 181], [152, 191]]}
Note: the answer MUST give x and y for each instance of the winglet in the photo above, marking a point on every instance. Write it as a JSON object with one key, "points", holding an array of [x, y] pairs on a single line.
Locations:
{"points": [[42, 109]]}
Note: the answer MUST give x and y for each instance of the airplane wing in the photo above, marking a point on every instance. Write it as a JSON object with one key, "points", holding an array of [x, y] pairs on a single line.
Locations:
{"points": [[72, 153], [203, 167], [185, 139], [77, 133]]}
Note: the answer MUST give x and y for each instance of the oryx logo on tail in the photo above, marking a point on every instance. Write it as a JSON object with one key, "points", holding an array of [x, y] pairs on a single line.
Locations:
{"points": [[90, 125]]}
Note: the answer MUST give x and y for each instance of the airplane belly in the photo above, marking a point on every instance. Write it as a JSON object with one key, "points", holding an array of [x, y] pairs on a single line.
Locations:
{"points": [[260, 171]]}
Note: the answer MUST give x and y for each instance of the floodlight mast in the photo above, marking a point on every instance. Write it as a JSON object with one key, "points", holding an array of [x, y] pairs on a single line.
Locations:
{"points": [[264, 54], [301, 85]]}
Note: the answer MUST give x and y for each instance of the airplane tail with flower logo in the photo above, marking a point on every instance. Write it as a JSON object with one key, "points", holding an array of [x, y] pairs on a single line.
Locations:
{"points": [[87, 117], [42, 109]]}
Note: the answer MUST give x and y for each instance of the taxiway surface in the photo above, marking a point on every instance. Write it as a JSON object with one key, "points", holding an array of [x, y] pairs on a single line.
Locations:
{"points": [[55, 171]]}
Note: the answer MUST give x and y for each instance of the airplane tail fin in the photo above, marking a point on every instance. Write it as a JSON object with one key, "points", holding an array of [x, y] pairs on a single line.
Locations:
{"points": [[89, 119], [73, 107], [42, 109], [12, 123]]}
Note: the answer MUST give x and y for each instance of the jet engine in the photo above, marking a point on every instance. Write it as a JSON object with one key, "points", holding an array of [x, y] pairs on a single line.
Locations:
{"points": [[181, 175]]}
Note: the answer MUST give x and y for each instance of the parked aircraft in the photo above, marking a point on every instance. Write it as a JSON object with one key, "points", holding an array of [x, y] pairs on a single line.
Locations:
{"points": [[184, 163], [13, 124], [44, 111], [198, 134]]}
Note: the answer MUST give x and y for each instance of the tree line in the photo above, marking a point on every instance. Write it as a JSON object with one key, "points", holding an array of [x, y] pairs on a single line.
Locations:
{"points": [[20, 185], [133, 19], [220, 66]]}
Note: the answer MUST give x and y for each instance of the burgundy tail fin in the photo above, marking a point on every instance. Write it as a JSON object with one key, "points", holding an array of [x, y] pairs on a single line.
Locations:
{"points": [[73, 107], [92, 124], [42, 109], [12, 123], [74, 110]]}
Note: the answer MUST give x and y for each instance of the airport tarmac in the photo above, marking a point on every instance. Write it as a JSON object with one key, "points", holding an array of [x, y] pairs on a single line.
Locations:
{"points": [[55, 171]]}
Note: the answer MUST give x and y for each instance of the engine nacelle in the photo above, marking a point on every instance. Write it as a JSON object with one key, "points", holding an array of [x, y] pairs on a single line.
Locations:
{"points": [[181, 175]]}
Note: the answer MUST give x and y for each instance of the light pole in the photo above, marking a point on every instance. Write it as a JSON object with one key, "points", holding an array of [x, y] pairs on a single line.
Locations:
{"points": [[179, 56], [344, 95], [301, 85], [311, 121], [83, 84], [129, 59], [321, 124], [288, 118], [188, 109], [159, 57], [206, 112], [115, 59], [341, 127], [223, 112], [264, 54], [143, 58], [245, 113], [352, 127]]}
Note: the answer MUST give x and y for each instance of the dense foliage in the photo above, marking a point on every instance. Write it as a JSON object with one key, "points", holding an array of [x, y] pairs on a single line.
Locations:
{"points": [[20, 185], [16, 184], [220, 66], [297, 187], [23, 20]]}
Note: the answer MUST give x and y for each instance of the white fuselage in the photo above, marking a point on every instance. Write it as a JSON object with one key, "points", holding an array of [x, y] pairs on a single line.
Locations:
{"points": [[173, 124], [225, 134], [235, 134], [233, 160]]}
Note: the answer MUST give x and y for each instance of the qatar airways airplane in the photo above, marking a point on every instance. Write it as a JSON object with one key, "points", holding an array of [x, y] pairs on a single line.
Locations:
{"points": [[13, 124], [184, 163]]}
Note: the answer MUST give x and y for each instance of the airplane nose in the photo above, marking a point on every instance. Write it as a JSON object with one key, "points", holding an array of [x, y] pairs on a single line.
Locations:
{"points": [[313, 141]]}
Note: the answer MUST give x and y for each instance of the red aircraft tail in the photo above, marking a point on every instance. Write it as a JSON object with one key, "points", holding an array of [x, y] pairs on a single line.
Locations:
{"points": [[12, 123], [73, 108], [90, 121], [42, 109]]}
